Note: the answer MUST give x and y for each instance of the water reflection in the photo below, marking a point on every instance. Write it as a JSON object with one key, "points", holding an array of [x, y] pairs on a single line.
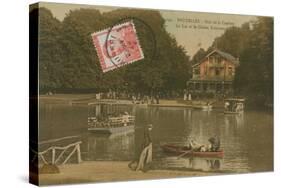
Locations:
{"points": [[191, 163], [240, 135], [109, 147], [214, 164]]}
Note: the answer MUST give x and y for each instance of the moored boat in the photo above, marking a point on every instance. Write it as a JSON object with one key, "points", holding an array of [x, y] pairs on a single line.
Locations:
{"points": [[179, 150], [112, 125], [234, 106]]}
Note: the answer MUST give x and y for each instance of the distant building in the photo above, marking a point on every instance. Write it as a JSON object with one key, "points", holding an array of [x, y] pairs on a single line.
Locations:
{"points": [[213, 74]]}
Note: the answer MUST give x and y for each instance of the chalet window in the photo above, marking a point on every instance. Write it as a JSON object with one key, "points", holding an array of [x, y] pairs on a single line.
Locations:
{"points": [[210, 60], [215, 59], [230, 71], [217, 72]]}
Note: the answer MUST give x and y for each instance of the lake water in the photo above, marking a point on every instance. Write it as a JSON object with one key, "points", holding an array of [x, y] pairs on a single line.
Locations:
{"points": [[246, 139]]}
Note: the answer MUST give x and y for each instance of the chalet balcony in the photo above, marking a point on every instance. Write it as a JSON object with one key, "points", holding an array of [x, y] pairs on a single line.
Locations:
{"points": [[216, 65], [196, 76], [212, 78]]}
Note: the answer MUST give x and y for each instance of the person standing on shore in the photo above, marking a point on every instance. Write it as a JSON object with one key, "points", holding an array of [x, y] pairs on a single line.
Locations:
{"points": [[189, 97], [145, 158], [143, 163], [184, 95]]}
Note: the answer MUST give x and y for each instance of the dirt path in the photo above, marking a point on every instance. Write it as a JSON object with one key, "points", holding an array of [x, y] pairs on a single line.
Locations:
{"points": [[105, 171]]}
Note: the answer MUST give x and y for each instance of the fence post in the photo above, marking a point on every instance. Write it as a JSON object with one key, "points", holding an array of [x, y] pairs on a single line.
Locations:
{"points": [[53, 156], [78, 153]]}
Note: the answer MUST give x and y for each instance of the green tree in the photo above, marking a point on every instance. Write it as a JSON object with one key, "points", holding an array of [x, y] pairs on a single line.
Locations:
{"points": [[81, 68], [71, 53], [198, 56], [234, 41], [254, 77], [50, 56]]}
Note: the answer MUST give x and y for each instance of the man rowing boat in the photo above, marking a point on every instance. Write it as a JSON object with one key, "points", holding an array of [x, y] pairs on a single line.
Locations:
{"points": [[215, 143]]}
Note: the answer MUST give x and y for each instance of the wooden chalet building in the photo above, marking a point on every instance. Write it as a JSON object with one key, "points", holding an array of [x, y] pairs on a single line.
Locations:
{"points": [[213, 74]]}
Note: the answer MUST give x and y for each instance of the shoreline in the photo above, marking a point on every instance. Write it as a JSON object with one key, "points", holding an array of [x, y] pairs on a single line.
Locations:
{"points": [[86, 99], [110, 171]]}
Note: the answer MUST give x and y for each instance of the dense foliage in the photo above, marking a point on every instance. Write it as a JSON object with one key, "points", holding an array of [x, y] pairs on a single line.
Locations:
{"points": [[69, 63], [254, 78]]}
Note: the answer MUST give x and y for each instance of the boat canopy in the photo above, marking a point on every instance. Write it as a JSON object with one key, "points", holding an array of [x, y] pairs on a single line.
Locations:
{"points": [[234, 105]]}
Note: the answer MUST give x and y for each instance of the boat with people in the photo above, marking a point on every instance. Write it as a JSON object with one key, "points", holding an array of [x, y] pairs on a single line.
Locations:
{"points": [[111, 125], [188, 152], [234, 105]]}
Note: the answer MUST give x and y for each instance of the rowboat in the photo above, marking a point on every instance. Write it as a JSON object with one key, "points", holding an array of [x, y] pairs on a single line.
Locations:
{"points": [[179, 150]]}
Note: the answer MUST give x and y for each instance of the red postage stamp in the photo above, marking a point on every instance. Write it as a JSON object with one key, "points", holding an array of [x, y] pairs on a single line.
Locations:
{"points": [[117, 46]]}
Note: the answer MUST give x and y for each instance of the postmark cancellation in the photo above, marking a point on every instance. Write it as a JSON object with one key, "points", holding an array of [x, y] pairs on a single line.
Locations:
{"points": [[117, 46]]}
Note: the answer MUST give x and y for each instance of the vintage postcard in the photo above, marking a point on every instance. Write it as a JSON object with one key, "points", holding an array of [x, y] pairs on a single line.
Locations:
{"points": [[120, 94]]}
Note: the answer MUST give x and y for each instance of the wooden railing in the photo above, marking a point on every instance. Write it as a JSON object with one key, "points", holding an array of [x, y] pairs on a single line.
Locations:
{"points": [[59, 159]]}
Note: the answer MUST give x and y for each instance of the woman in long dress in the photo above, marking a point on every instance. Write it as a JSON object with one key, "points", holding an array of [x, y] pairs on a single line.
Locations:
{"points": [[145, 158]]}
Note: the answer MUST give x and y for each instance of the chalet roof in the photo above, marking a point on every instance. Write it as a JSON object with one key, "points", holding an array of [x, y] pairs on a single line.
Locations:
{"points": [[225, 55]]}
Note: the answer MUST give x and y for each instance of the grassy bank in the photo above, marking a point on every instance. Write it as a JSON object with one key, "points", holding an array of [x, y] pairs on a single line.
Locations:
{"points": [[105, 171], [67, 98]]}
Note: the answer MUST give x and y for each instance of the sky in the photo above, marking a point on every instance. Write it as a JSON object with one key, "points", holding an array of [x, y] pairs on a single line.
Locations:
{"points": [[192, 30]]}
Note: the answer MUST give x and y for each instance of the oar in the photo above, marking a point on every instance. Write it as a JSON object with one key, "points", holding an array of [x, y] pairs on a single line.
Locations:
{"points": [[183, 154]]}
